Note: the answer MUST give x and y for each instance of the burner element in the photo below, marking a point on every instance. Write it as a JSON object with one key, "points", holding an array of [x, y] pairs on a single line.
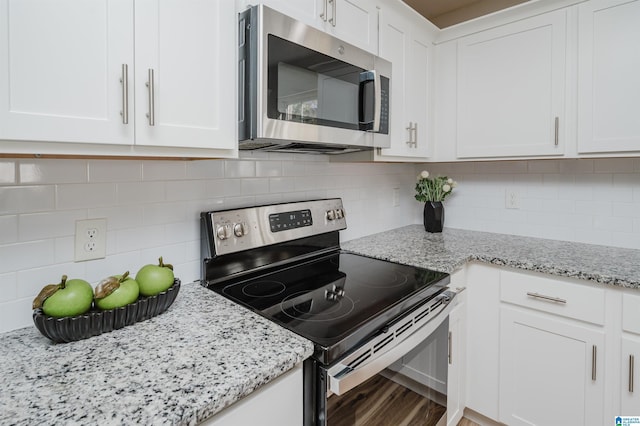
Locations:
{"points": [[263, 288], [304, 307]]}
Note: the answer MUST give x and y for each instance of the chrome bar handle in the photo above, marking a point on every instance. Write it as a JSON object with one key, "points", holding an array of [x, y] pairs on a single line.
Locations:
{"points": [[334, 6], [323, 15], [557, 131], [151, 115], [594, 358], [548, 298], [415, 135], [450, 356], [124, 81], [410, 142], [631, 371]]}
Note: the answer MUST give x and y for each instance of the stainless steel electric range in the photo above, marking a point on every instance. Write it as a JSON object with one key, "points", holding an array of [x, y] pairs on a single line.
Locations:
{"points": [[284, 262]]}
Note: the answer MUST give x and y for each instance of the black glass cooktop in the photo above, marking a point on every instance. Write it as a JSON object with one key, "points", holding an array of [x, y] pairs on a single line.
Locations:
{"points": [[337, 300]]}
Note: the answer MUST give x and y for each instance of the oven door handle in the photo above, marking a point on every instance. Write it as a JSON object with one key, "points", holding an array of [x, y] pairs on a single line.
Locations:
{"points": [[364, 364]]}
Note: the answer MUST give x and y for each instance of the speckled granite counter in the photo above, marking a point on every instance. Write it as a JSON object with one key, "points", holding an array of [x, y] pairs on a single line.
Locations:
{"points": [[181, 367], [452, 248]]}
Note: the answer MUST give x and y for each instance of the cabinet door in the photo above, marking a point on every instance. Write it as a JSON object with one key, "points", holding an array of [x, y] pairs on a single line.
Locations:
{"points": [[511, 83], [457, 373], [354, 21], [310, 12], [408, 46], [190, 100], [551, 370], [61, 70], [608, 70], [629, 378]]}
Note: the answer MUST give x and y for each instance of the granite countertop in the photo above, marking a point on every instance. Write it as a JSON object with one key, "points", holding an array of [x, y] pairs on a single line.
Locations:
{"points": [[451, 249], [181, 367]]}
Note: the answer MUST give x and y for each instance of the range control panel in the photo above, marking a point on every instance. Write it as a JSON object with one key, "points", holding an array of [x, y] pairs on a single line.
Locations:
{"points": [[231, 231]]}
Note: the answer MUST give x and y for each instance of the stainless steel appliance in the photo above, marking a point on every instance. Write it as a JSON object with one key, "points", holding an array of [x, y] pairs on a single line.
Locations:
{"points": [[284, 262], [303, 90]]}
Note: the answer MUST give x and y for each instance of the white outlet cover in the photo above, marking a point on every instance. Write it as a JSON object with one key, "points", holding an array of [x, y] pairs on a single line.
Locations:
{"points": [[90, 239]]}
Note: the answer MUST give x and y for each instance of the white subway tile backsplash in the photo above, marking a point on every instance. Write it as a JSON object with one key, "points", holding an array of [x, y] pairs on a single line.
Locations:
{"points": [[8, 229], [186, 190], [74, 196], [52, 171], [31, 281], [132, 193], [164, 170], [205, 169], [254, 186], [27, 199], [8, 287], [268, 168], [7, 172], [114, 171], [19, 256], [36, 226], [614, 165], [152, 207], [239, 168]]}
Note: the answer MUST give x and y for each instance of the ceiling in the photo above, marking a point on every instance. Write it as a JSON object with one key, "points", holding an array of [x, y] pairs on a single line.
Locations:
{"points": [[444, 13]]}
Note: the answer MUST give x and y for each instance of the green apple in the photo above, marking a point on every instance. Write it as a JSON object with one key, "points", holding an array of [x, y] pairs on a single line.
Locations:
{"points": [[116, 291], [67, 299], [154, 279]]}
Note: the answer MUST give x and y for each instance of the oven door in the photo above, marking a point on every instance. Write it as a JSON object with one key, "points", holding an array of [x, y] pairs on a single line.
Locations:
{"points": [[338, 388]]}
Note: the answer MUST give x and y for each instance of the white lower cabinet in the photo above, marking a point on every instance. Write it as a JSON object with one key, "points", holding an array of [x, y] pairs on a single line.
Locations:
{"points": [[457, 339], [278, 403], [551, 370], [629, 376]]}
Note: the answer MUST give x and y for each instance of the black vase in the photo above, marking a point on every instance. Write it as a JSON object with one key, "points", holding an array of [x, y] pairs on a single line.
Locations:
{"points": [[433, 216]]}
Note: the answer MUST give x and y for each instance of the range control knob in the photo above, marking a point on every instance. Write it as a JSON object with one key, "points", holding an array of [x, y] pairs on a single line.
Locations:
{"points": [[240, 229], [339, 213], [331, 214], [223, 232]]}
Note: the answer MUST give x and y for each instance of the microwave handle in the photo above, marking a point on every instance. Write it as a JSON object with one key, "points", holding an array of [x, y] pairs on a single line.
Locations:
{"points": [[366, 78]]}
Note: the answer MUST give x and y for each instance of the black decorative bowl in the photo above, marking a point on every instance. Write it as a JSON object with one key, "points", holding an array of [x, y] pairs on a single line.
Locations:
{"points": [[94, 322]]}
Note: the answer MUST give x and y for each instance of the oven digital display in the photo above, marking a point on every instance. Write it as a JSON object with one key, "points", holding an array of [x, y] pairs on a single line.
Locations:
{"points": [[290, 220]]}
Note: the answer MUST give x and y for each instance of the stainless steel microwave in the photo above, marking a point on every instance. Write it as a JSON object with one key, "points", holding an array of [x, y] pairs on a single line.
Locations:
{"points": [[303, 90]]}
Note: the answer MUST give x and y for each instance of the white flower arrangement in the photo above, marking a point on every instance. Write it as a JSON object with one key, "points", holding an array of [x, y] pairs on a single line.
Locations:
{"points": [[433, 189]]}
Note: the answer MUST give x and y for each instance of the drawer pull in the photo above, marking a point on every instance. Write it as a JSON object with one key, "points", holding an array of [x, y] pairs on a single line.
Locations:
{"points": [[594, 357], [631, 368], [548, 298], [450, 349]]}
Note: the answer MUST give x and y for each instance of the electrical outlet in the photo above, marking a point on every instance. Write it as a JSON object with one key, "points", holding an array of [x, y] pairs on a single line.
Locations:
{"points": [[396, 197], [91, 239], [512, 199]]}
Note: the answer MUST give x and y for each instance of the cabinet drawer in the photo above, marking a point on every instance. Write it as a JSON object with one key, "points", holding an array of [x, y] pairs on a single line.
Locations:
{"points": [[631, 313], [577, 301]]}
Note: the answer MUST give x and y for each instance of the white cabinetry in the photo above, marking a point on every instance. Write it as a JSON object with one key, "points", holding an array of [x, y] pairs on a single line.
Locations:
{"points": [[188, 45], [278, 403], [551, 358], [354, 21], [483, 339], [74, 74], [406, 41], [511, 89], [629, 383], [457, 339], [62, 62], [608, 70]]}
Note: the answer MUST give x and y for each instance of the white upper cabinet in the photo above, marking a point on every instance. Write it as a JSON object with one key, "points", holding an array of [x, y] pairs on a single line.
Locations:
{"points": [[61, 70], [185, 86], [80, 71], [608, 82], [406, 41], [354, 21], [511, 89]]}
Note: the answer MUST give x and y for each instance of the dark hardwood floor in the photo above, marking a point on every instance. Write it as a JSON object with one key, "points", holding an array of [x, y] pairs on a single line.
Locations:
{"points": [[380, 401]]}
